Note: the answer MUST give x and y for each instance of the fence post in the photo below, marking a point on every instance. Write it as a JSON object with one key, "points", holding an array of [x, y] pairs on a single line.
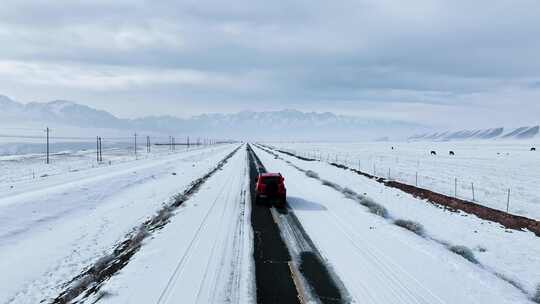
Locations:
{"points": [[388, 173], [473, 197], [97, 149], [416, 180], [455, 187], [508, 201]]}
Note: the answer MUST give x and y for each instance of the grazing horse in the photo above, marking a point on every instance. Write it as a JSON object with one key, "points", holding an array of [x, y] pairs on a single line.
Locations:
{"points": [[533, 149], [433, 153], [452, 153]]}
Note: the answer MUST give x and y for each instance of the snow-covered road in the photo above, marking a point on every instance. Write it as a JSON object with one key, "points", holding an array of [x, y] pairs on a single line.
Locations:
{"points": [[52, 229], [203, 255], [379, 262]]}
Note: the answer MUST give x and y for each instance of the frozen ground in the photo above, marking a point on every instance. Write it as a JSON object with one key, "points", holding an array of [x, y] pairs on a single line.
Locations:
{"points": [[493, 167], [52, 228]]}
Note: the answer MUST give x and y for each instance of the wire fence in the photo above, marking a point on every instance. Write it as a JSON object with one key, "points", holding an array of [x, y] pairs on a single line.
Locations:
{"points": [[496, 195]]}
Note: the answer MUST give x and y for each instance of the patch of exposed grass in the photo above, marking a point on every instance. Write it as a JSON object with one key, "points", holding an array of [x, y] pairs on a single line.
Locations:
{"points": [[536, 297], [331, 184], [312, 174], [162, 217], [465, 252], [374, 207], [411, 226], [349, 193], [378, 210]]}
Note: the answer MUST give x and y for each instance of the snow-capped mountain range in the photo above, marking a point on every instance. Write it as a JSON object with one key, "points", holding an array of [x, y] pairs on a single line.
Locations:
{"points": [[269, 125], [526, 132]]}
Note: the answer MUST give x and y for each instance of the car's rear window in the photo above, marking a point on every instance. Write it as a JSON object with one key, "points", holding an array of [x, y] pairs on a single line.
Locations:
{"points": [[270, 180]]}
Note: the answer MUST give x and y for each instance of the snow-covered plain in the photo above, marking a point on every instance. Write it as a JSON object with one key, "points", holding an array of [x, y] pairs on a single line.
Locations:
{"points": [[492, 166], [52, 228], [382, 263], [29, 167]]}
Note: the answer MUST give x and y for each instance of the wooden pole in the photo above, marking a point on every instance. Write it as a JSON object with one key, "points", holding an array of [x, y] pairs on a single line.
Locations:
{"points": [[473, 196], [48, 161], [508, 202], [100, 150], [455, 187]]}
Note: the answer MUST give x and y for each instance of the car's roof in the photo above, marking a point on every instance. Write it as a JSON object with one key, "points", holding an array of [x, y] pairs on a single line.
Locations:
{"points": [[270, 174]]}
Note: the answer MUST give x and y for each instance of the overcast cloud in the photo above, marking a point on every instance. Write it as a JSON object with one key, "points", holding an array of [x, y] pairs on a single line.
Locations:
{"points": [[446, 63]]}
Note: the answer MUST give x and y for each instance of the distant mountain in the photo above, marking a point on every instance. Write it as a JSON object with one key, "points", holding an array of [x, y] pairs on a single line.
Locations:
{"points": [[72, 114], [270, 125], [479, 134]]}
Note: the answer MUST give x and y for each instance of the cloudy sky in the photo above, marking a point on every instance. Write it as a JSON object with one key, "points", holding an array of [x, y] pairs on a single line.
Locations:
{"points": [[446, 63]]}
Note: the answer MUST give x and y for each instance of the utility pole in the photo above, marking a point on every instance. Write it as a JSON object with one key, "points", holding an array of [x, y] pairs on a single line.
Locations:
{"points": [[100, 151], [135, 145], [47, 130]]}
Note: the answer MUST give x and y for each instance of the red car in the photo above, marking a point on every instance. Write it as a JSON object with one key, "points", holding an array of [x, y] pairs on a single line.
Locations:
{"points": [[271, 186]]}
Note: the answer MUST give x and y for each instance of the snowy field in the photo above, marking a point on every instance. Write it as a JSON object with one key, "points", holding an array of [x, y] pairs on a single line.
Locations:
{"points": [[72, 157], [53, 227], [490, 167]]}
